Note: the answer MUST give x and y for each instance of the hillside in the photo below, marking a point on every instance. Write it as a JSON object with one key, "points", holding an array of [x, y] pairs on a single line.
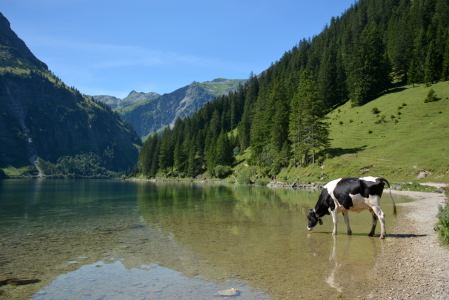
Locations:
{"points": [[42, 120], [133, 98], [406, 141], [277, 122], [156, 113]]}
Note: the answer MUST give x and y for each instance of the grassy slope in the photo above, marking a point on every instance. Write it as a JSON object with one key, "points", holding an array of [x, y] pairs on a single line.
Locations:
{"points": [[419, 141], [219, 86]]}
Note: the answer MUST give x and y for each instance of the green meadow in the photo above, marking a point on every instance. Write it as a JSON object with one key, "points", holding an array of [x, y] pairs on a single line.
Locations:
{"points": [[397, 136]]}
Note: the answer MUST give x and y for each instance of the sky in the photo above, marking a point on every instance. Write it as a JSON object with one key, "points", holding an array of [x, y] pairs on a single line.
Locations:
{"points": [[114, 47]]}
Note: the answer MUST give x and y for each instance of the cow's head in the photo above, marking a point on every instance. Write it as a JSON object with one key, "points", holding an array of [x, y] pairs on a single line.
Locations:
{"points": [[313, 219]]}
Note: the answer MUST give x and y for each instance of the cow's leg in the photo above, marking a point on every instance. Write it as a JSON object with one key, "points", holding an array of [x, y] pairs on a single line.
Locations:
{"points": [[381, 216], [373, 228], [334, 219], [346, 217]]}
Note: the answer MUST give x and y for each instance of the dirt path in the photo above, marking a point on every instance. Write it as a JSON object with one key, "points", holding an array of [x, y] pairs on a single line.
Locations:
{"points": [[413, 264]]}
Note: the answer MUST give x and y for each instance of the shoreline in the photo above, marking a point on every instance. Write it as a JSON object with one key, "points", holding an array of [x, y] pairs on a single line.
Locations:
{"points": [[413, 263]]}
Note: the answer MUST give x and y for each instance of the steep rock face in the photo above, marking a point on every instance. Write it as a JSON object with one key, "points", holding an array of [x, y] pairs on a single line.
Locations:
{"points": [[41, 117], [154, 114]]}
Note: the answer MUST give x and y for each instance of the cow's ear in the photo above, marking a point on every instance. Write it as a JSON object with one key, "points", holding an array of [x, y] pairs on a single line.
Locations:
{"points": [[310, 210]]}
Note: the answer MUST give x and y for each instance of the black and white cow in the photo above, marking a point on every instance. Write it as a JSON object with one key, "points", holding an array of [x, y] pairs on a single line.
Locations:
{"points": [[351, 194]]}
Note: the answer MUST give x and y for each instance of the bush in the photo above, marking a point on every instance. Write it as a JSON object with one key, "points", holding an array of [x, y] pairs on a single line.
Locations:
{"points": [[380, 120], [431, 96], [443, 228], [375, 110], [262, 181], [222, 171], [244, 176]]}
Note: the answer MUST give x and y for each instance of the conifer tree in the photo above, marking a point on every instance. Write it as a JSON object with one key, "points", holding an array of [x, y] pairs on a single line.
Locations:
{"points": [[369, 71], [308, 131]]}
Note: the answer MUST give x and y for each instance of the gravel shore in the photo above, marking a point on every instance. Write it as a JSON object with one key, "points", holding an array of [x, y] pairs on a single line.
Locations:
{"points": [[413, 263]]}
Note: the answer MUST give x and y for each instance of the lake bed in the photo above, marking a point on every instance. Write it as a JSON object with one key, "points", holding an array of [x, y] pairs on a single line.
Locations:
{"points": [[88, 239]]}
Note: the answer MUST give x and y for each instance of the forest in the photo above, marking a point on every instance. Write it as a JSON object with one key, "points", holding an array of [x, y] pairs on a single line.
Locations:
{"points": [[280, 114]]}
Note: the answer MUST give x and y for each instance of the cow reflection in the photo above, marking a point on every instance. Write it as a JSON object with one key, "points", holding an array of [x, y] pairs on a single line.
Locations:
{"points": [[331, 279], [350, 260]]}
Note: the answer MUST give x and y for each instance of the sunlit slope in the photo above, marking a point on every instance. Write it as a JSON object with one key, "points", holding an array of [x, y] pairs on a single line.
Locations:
{"points": [[411, 141]]}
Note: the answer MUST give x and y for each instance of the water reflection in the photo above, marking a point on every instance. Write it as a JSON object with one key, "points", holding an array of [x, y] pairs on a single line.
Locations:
{"points": [[102, 280], [258, 234], [227, 234]]}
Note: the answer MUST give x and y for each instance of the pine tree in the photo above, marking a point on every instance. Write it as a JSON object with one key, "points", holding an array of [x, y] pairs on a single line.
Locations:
{"points": [[223, 151], [445, 66], [432, 67], [308, 131], [369, 71]]}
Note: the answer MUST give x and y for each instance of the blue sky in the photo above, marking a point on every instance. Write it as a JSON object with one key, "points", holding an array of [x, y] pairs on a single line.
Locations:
{"points": [[113, 47]]}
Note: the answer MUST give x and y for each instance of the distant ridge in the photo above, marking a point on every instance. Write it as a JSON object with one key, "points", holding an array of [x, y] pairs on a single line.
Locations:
{"points": [[133, 98], [155, 113]]}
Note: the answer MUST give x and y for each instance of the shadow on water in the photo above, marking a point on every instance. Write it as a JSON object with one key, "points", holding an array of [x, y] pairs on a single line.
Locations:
{"points": [[406, 236]]}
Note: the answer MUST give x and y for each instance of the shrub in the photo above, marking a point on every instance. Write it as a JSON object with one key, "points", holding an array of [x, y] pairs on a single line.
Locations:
{"points": [[375, 110], [443, 228], [381, 120], [244, 176], [222, 171], [370, 131], [431, 96], [262, 181]]}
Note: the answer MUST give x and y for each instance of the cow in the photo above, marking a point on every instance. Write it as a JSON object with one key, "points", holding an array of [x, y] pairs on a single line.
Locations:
{"points": [[351, 194]]}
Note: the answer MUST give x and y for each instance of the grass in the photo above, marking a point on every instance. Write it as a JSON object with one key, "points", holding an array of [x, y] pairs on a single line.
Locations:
{"points": [[409, 143], [219, 86], [443, 227]]}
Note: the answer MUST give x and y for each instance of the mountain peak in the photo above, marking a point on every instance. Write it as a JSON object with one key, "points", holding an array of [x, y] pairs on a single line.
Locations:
{"points": [[13, 51]]}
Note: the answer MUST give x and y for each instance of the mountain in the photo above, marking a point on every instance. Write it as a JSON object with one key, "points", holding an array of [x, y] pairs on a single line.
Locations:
{"points": [[45, 123], [133, 98], [277, 123], [156, 113]]}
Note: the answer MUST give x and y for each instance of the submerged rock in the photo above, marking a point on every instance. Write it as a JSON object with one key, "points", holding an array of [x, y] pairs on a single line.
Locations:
{"points": [[229, 293], [4, 281], [22, 281]]}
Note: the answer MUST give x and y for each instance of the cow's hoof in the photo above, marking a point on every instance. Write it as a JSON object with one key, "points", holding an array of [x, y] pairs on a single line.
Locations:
{"points": [[382, 237], [349, 232], [371, 234]]}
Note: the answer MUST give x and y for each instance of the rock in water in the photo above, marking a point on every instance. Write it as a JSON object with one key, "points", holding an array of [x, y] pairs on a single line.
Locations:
{"points": [[4, 281], [22, 281], [229, 293]]}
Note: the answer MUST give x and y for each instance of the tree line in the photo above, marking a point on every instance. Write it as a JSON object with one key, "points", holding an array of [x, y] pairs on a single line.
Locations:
{"points": [[280, 113]]}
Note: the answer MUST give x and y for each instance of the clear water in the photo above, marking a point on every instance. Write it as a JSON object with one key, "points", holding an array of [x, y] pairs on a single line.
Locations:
{"points": [[111, 239]]}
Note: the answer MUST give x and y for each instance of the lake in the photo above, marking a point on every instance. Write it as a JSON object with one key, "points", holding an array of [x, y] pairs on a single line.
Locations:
{"points": [[112, 239]]}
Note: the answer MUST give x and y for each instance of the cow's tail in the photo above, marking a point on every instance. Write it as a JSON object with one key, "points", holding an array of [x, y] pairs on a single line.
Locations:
{"points": [[392, 199]]}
